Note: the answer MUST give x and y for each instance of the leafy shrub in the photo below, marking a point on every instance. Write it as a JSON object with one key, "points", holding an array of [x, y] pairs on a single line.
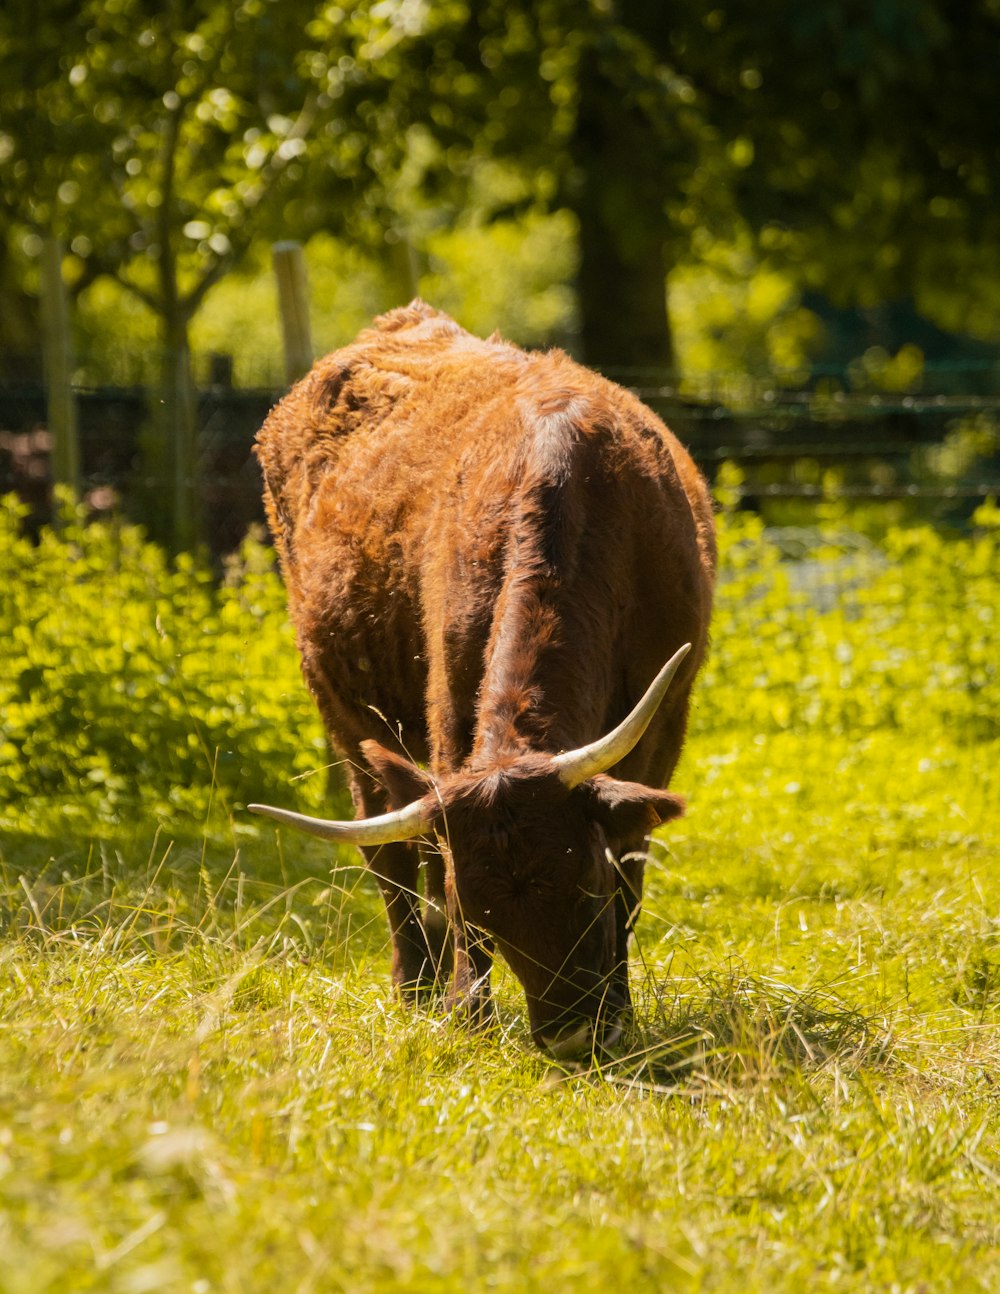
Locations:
{"points": [[848, 637], [128, 678]]}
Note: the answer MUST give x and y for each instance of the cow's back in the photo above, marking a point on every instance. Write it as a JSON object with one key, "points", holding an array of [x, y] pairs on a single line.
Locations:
{"points": [[405, 477], [355, 460], [570, 562]]}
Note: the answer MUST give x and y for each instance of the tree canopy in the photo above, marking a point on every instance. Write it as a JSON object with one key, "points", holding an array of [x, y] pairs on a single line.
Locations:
{"points": [[852, 143], [855, 140]]}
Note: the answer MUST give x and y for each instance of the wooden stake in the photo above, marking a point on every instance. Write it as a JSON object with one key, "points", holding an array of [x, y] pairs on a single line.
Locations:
{"points": [[293, 301]]}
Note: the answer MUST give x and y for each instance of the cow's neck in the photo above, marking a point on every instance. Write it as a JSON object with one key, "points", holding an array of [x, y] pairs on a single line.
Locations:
{"points": [[528, 678]]}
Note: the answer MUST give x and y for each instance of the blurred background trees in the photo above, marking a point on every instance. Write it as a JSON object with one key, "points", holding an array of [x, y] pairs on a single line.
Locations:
{"points": [[750, 188]]}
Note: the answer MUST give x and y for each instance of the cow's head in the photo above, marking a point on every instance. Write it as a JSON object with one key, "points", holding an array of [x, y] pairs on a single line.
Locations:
{"points": [[531, 860], [532, 843]]}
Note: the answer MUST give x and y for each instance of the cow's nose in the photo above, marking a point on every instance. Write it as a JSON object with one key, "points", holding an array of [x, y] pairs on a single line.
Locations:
{"points": [[574, 1042], [570, 1040], [569, 1044]]}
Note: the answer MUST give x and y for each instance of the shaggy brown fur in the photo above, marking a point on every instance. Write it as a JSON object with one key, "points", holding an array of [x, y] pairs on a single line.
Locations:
{"points": [[489, 554]]}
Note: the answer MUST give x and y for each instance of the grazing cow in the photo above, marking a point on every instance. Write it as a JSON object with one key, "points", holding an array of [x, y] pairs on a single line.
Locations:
{"points": [[489, 555]]}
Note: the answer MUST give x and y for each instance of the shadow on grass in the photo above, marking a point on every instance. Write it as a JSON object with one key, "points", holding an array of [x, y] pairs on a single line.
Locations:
{"points": [[734, 1030]]}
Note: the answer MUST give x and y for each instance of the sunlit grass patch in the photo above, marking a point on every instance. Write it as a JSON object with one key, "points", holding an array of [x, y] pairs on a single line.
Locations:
{"points": [[242, 1111]]}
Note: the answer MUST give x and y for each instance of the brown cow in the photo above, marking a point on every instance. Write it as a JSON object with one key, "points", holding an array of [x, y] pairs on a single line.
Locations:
{"points": [[489, 555]]}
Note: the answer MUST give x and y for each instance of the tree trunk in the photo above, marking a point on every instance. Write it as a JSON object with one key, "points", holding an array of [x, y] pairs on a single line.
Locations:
{"points": [[169, 444], [176, 430], [619, 198], [179, 433], [58, 352]]}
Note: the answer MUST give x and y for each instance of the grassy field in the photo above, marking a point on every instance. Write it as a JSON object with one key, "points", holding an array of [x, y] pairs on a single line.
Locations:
{"points": [[205, 1084]]}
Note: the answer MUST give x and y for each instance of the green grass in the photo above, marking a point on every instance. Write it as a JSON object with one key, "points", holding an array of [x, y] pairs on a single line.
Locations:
{"points": [[206, 1085]]}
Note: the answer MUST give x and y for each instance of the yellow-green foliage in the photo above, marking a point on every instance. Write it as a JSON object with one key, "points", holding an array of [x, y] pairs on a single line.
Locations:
{"points": [[529, 299], [846, 637], [131, 680], [128, 679]]}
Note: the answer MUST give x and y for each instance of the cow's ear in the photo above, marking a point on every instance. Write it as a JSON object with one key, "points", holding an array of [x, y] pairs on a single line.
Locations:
{"points": [[404, 781], [627, 810]]}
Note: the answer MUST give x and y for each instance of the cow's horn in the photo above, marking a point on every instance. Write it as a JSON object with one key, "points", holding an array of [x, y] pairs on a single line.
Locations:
{"points": [[404, 824], [575, 766]]}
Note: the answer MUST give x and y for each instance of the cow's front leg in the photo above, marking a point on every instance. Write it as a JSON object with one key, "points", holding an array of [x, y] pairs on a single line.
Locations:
{"points": [[437, 924], [470, 994], [415, 960]]}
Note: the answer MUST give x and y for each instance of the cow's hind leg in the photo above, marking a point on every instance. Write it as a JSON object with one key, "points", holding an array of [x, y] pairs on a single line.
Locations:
{"points": [[437, 926]]}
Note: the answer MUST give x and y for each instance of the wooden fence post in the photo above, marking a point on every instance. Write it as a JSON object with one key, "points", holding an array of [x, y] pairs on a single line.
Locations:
{"points": [[293, 301], [58, 351]]}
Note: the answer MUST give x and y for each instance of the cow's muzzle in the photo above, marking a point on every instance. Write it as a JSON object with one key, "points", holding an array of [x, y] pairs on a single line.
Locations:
{"points": [[572, 1037]]}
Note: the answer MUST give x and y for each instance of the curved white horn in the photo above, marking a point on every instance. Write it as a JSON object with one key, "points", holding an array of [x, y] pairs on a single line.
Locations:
{"points": [[404, 824], [575, 766]]}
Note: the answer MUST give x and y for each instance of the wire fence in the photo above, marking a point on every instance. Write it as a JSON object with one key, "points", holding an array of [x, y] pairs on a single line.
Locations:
{"points": [[939, 452]]}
